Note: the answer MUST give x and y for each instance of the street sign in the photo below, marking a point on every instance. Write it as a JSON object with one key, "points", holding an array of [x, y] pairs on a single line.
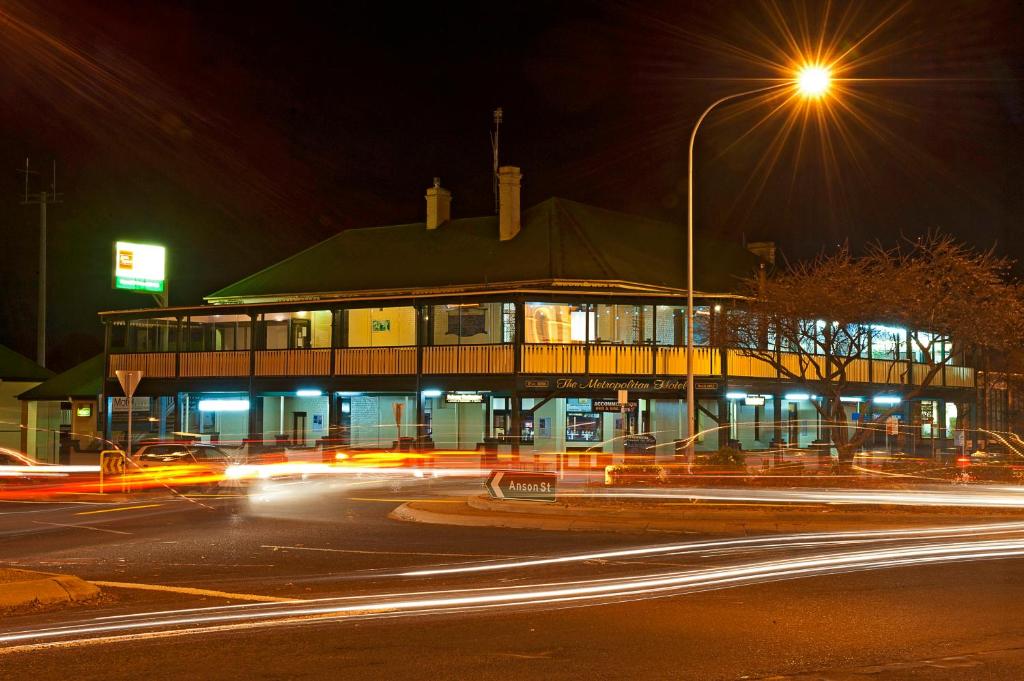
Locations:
{"points": [[129, 381], [522, 485], [892, 426], [112, 462]]}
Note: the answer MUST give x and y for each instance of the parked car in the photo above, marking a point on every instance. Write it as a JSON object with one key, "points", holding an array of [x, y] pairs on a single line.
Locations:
{"points": [[181, 463], [16, 468]]}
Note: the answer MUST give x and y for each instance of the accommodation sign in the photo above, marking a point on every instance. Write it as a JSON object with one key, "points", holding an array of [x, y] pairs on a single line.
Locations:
{"points": [[570, 383]]}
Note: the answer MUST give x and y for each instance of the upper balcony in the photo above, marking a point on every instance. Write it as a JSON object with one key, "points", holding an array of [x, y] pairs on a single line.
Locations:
{"points": [[480, 338], [499, 359]]}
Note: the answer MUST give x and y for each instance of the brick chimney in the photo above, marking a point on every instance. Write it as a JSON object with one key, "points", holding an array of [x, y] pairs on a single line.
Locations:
{"points": [[439, 205], [509, 214]]}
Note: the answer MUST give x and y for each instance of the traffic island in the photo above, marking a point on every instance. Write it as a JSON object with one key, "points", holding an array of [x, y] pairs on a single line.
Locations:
{"points": [[23, 588], [590, 515]]}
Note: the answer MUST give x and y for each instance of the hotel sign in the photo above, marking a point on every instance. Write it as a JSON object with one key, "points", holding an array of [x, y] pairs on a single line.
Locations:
{"points": [[463, 398], [632, 384], [140, 267]]}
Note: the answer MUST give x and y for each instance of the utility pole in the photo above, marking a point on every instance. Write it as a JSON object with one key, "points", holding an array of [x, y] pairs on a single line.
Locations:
{"points": [[42, 198]]}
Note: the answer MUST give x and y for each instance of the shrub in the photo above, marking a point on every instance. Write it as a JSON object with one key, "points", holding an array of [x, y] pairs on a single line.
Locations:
{"points": [[626, 473], [727, 458]]}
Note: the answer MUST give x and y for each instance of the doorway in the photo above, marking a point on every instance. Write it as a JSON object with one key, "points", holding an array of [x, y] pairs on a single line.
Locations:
{"points": [[299, 428], [302, 331]]}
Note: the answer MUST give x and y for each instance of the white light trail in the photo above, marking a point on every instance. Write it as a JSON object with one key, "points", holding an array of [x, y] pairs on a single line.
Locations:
{"points": [[1010, 496], [921, 547]]}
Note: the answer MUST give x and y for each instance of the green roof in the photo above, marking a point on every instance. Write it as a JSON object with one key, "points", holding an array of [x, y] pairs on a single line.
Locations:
{"points": [[18, 367], [559, 240], [83, 380]]}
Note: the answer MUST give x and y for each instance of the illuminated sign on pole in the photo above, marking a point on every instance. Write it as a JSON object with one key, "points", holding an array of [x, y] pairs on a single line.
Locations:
{"points": [[140, 267]]}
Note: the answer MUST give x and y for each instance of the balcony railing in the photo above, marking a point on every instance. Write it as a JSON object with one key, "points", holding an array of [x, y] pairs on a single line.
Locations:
{"points": [[468, 359], [620, 359], [706, 361], [535, 359], [293, 362], [152, 364], [198, 364], [554, 359], [396, 361]]}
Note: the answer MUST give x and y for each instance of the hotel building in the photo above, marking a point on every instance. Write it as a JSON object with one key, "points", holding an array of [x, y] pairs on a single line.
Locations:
{"points": [[515, 330]]}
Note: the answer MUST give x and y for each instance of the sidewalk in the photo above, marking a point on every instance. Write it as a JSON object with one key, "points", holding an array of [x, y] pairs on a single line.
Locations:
{"points": [[19, 588], [684, 517]]}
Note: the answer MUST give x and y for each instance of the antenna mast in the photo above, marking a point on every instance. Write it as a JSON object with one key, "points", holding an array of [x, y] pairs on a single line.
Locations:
{"points": [[498, 114], [42, 199]]}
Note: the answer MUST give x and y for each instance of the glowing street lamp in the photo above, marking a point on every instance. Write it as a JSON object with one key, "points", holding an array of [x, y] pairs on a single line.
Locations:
{"points": [[811, 81]]}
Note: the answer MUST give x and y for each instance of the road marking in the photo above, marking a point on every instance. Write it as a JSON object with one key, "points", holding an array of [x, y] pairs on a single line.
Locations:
{"points": [[84, 527], [388, 553], [406, 501], [119, 508], [62, 501], [75, 643], [213, 496], [197, 592]]}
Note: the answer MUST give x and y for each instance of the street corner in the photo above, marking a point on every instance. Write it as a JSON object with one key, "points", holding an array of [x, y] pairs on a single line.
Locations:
{"points": [[26, 588]]}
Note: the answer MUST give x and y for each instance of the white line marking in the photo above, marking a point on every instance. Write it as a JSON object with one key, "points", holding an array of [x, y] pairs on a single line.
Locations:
{"points": [[197, 592], [84, 527], [389, 553]]}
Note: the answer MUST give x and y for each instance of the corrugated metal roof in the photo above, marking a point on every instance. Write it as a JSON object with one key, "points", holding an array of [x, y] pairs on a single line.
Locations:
{"points": [[560, 240], [17, 367], [83, 380]]}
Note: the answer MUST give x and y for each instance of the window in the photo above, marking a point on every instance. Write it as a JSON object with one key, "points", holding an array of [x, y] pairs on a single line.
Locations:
{"points": [[624, 324], [671, 325], [888, 342], [702, 325], [929, 344], [164, 453], [118, 336], [508, 318], [380, 326], [151, 335], [559, 323], [470, 323], [219, 332], [296, 330], [208, 454]]}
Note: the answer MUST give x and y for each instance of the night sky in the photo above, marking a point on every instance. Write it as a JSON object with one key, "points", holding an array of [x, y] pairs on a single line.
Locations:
{"points": [[238, 134]]}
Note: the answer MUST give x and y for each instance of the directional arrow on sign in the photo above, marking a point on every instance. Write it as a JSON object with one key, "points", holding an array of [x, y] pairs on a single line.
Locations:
{"points": [[523, 485], [493, 484]]}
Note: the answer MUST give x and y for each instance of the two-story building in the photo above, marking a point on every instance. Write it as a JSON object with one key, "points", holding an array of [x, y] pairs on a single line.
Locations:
{"points": [[516, 328]]}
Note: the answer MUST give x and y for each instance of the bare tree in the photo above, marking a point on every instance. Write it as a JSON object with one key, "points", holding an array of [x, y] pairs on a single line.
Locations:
{"points": [[931, 303]]}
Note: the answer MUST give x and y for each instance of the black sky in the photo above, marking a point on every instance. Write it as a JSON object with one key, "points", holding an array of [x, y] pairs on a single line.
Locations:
{"points": [[239, 133]]}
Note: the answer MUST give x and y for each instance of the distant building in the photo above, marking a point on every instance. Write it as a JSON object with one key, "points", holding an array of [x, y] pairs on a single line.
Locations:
{"points": [[17, 374], [62, 413], [482, 332]]}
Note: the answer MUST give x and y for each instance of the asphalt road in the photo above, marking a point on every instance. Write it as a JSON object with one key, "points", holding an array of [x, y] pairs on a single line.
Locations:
{"points": [[333, 545]]}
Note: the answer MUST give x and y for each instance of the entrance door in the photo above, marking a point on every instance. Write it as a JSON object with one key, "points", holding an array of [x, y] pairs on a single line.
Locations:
{"points": [[302, 331], [299, 428], [794, 424]]}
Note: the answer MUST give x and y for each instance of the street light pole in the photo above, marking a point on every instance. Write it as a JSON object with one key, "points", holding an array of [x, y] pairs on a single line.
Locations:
{"points": [[691, 406]]}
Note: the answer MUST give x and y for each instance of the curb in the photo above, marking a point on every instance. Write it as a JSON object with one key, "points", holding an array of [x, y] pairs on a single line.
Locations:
{"points": [[42, 588], [483, 512]]}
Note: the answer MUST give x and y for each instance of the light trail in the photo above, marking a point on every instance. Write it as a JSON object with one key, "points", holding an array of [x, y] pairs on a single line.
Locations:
{"points": [[905, 548], [986, 497], [773, 541]]}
